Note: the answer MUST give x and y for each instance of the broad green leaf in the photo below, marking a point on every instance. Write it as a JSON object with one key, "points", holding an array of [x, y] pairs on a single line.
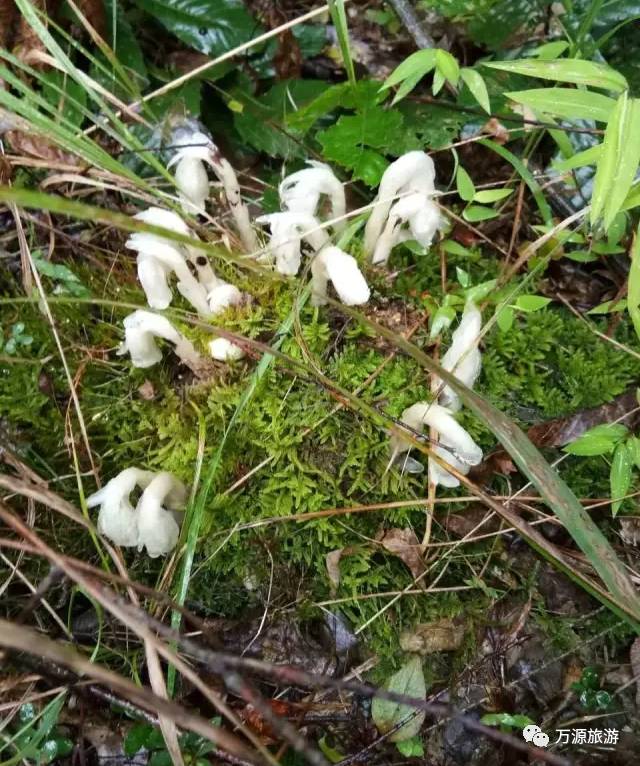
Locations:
{"points": [[620, 476], [480, 291], [464, 184], [438, 82], [589, 156], [487, 196], [455, 248], [582, 256], [411, 748], [463, 277], [530, 303], [447, 65], [212, 27], [504, 318], [600, 440], [575, 71], [609, 307], [475, 213], [618, 161], [633, 446], [137, 738], [417, 64], [633, 290], [569, 103], [476, 84], [409, 680], [550, 51]]}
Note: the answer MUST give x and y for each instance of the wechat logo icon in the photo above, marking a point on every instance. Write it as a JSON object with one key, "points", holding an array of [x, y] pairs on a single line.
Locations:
{"points": [[534, 734]]}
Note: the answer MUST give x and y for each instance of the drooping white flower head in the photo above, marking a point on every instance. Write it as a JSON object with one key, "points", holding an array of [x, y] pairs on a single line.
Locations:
{"points": [[159, 257], [455, 446], [301, 192], [333, 265], [141, 328], [194, 148], [463, 357], [220, 294], [224, 350], [287, 231], [117, 518], [158, 530], [415, 216], [413, 172]]}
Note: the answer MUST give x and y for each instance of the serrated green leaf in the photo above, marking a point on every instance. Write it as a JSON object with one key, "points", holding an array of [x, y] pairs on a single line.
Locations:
{"points": [[417, 64], [569, 103], [487, 196], [476, 84], [475, 213], [576, 71], [530, 303], [409, 680], [620, 476], [464, 184], [448, 66]]}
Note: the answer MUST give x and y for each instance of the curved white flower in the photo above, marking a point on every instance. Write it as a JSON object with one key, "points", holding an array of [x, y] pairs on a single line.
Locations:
{"points": [[193, 148], [224, 350], [220, 294], [288, 229], [421, 217], [342, 270], [413, 172], [455, 446], [158, 530], [463, 357], [117, 518], [141, 328], [159, 257], [301, 192]]}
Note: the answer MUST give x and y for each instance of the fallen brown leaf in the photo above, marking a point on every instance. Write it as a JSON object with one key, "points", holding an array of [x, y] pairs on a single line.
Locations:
{"points": [[37, 146], [443, 635], [404, 544]]}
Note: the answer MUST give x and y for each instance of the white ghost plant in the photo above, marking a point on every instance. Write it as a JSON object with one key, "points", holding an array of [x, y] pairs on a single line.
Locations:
{"points": [[159, 257], [223, 350], [463, 358], [415, 216], [158, 530], [117, 518], [220, 294], [455, 446], [141, 328], [414, 172], [195, 147], [333, 265], [301, 192], [288, 229]]}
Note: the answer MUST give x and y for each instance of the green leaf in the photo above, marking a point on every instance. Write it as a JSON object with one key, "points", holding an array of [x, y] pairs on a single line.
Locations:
{"points": [[330, 753], [618, 161], [411, 748], [339, 18], [476, 84], [480, 291], [568, 103], [633, 446], [506, 719], [212, 27], [464, 184], [589, 156], [463, 277], [633, 294], [550, 51], [575, 71], [620, 476], [409, 680], [438, 82], [582, 256], [475, 213], [504, 318], [530, 303], [417, 64], [137, 738], [66, 95], [487, 196], [448, 66], [609, 307], [455, 248], [600, 440]]}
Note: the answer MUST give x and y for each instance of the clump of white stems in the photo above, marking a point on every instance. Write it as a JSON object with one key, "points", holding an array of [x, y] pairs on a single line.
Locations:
{"points": [[415, 216], [301, 192], [412, 174], [288, 229], [333, 265], [224, 350], [194, 148], [455, 446], [159, 257], [220, 294], [141, 328], [149, 524]]}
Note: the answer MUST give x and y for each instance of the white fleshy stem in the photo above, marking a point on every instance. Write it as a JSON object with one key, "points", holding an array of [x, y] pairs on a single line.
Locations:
{"points": [[193, 185], [333, 265], [227, 177], [455, 446], [117, 517], [158, 530], [422, 218], [301, 191], [463, 357], [413, 172], [287, 231], [141, 328]]}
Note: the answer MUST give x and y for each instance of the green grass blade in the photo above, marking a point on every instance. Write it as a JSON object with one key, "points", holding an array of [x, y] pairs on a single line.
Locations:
{"points": [[339, 18]]}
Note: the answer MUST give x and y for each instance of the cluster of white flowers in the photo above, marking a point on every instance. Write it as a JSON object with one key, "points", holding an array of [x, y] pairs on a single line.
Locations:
{"points": [[314, 213], [153, 523], [455, 446]]}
